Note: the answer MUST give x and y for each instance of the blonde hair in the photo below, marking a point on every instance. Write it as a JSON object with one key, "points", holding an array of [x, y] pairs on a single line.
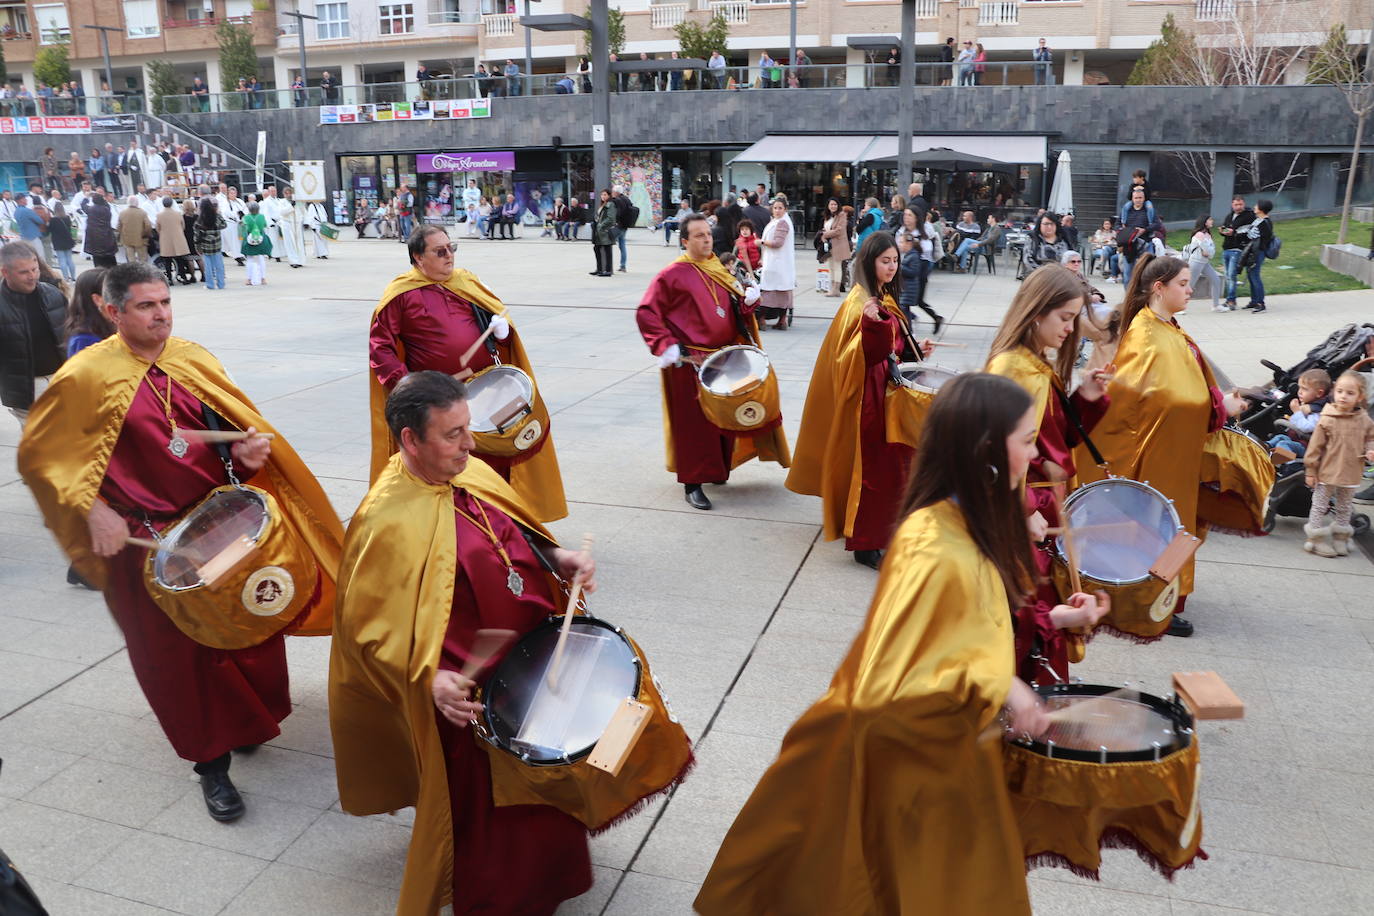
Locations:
{"points": [[1045, 289], [1360, 383]]}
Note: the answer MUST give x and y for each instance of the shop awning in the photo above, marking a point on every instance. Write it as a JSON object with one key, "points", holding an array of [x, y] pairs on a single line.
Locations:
{"points": [[808, 148], [1018, 150]]}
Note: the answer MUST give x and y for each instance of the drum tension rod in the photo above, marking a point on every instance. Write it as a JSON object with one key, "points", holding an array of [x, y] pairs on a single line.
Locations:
{"points": [[1049, 748], [1102, 753], [1157, 750]]}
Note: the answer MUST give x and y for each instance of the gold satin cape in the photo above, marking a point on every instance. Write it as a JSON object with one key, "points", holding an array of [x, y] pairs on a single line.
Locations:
{"points": [[829, 459], [1156, 426], [884, 798], [537, 480], [72, 431], [395, 593], [1030, 372], [769, 445]]}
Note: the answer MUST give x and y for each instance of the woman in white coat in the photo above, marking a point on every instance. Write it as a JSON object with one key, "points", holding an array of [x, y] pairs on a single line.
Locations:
{"points": [[778, 279]]}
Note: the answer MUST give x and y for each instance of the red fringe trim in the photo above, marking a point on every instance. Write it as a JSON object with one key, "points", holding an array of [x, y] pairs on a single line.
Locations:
{"points": [[1237, 532], [644, 802], [1129, 637], [1113, 838]]}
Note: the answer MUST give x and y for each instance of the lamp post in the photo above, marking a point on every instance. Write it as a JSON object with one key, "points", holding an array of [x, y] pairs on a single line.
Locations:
{"points": [[906, 100], [105, 49], [601, 70], [300, 35]]}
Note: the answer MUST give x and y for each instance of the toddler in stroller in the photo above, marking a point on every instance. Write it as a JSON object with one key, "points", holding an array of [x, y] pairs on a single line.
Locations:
{"points": [[1314, 388], [1343, 441]]}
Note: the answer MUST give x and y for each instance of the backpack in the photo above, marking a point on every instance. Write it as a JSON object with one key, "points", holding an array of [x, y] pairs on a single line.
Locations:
{"points": [[1271, 252], [628, 215]]}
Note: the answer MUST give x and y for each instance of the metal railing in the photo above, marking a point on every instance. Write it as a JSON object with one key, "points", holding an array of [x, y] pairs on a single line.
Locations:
{"points": [[123, 103], [206, 22], [667, 15], [499, 25], [1214, 10], [999, 12], [927, 9], [454, 17]]}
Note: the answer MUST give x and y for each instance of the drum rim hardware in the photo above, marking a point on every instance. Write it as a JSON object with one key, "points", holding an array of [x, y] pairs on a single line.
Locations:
{"points": [[1111, 478], [759, 378], [175, 530], [510, 413], [1169, 706]]}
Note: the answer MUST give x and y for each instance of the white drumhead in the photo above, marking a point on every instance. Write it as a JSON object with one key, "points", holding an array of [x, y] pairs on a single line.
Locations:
{"points": [[491, 391], [222, 519], [723, 370], [925, 376], [1120, 527]]}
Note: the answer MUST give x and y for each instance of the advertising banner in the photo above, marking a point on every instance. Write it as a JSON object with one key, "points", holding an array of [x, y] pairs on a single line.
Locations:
{"points": [[438, 110], [465, 162], [63, 124]]}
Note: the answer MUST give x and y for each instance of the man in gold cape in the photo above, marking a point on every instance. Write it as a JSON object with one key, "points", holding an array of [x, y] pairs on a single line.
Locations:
{"points": [[1165, 402], [102, 463], [428, 561], [885, 797], [426, 319], [694, 307]]}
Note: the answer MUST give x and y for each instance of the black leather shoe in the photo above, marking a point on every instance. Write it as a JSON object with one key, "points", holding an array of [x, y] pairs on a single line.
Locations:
{"points": [[222, 800], [1256, 308], [247, 749], [1180, 627], [1248, 305], [696, 497], [870, 558], [939, 323], [75, 578]]}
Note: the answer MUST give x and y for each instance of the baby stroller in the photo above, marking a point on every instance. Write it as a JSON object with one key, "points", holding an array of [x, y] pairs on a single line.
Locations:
{"points": [[1347, 348], [1292, 498]]}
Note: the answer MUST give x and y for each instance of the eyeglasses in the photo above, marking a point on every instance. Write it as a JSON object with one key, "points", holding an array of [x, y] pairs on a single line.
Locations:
{"points": [[443, 250]]}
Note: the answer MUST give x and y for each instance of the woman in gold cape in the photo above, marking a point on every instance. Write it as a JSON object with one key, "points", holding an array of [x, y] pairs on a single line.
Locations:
{"points": [[843, 454], [1165, 402], [536, 479], [888, 795]]}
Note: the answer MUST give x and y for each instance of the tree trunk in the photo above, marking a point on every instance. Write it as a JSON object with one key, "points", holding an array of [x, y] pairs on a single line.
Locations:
{"points": [[1350, 180]]}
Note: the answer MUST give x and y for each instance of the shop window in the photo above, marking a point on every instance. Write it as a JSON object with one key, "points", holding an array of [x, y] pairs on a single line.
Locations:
{"points": [[396, 18], [332, 20]]}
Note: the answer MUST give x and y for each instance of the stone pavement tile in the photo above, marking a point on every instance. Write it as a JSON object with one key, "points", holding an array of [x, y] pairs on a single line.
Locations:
{"points": [[725, 756], [352, 847], [641, 894], [1055, 898], [819, 626], [28, 766], [57, 844], [618, 845], [764, 717], [1351, 836], [1354, 592], [114, 793], [28, 677], [1331, 750], [1264, 884], [13, 628], [1266, 825], [306, 730], [1314, 641], [683, 845], [284, 889], [594, 901], [174, 874], [61, 726], [265, 830], [50, 600], [59, 898], [291, 776], [762, 681], [831, 581], [1295, 591], [1121, 870], [1189, 908], [141, 744], [780, 649], [110, 689], [1361, 888]]}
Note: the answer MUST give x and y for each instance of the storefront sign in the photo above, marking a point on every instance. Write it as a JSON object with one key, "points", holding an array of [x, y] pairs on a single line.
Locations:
{"points": [[69, 124], [438, 110], [114, 123], [465, 162]]}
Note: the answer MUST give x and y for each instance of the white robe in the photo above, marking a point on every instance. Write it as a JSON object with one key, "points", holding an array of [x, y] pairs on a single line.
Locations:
{"points": [[268, 207], [289, 227], [314, 217], [233, 212], [778, 265], [154, 171]]}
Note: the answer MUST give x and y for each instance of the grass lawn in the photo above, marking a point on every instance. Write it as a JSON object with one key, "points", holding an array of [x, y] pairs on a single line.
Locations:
{"points": [[1299, 268]]}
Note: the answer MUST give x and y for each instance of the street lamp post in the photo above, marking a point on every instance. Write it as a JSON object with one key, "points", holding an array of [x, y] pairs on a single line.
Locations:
{"points": [[105, 49], [300, 36], [906, 100]]}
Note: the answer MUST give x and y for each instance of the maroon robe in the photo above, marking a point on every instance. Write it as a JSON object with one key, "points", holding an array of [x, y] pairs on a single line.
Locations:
{"points": [[434, 327], [208, 701], [885, 464], [682, 306], [1034, 630], [523, 859]]}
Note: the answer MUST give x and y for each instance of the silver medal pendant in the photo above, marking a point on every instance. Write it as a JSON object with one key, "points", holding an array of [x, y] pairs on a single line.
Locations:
{"points": [[178, 446], [515, 583], [720, 311]]}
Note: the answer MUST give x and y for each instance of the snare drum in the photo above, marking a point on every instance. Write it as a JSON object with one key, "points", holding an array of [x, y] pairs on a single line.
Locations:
{"points": [[329, 232], [509, 418], [1237, 474], [907, 403], [1127, 775], [538, 737], [232, 573], [738, 389], [1122, 530]]}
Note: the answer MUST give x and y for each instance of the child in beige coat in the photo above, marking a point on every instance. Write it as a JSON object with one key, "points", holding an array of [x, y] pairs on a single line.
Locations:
{"points": [[1341, 443]]}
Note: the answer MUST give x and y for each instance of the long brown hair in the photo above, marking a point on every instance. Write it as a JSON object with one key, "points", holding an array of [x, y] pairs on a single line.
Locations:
{"points": [[963, 456], [866, 263], [1149, 269], [83, 317], [1045, 289]]}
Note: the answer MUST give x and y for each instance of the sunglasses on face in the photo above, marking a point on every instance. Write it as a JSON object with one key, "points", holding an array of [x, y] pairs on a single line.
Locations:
{"points": [[443, 250]]}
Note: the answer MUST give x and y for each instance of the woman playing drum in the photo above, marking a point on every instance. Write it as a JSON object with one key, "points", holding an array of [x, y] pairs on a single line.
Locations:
{"points": [[1165, 401], [843, 455], [1035, 347], [900, 763]]}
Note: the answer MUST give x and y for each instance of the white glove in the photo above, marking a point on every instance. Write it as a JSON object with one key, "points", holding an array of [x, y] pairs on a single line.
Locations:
{"points": [[751, 295], [670, 357], [501, 326]]}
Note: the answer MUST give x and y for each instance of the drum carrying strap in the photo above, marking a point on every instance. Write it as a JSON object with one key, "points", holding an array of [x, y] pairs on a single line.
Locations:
{"points": [[216, 422], [1077, 422], [483, 319], [894, 361]]}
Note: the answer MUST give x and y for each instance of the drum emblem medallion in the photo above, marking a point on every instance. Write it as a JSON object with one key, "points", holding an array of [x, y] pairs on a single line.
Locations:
{"points": [[1165, 603], [750, 413], [268, 591], [529, 435]]}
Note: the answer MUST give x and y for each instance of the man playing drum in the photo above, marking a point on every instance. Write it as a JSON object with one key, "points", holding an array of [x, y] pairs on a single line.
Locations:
{"points": [[428, 318], [111, 451], [691, 309], [440, 548]]}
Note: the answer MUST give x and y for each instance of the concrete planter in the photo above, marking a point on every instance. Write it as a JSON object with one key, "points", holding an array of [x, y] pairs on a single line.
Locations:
{"points": [[1351, 260]]}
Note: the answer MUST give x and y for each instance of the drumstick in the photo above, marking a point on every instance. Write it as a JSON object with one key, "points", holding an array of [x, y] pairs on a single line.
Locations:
{"points": [[224, 435], [191, 555], [1087, 710], [485, 645], [573, 595], [946, 343], [467, 355], [464, 375], [1070, 553]]}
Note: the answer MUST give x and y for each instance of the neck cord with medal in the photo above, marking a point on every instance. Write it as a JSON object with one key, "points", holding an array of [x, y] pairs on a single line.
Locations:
{"points": [[710, 288], [514, 581], [177, 444]]}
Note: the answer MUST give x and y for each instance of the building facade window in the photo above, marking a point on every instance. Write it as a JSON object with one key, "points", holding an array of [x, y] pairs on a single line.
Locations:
{"points": [[52, 23], [333, 20], [396, 18], [235, 8], [141, 20]]}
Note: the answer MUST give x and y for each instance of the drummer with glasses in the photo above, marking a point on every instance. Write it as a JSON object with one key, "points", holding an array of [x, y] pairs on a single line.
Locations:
{"points": [[694, 307], [430, 317], [441, 548], [111, 451]]}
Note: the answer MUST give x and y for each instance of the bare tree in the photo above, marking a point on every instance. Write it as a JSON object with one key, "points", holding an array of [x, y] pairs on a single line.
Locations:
{"points": [[1336, 63], [1257, 42]]}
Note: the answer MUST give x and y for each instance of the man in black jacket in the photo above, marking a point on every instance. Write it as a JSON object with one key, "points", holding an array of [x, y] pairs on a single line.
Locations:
{"points": [[624, 219], [1233, 243], [31, 318], [757, 214]]}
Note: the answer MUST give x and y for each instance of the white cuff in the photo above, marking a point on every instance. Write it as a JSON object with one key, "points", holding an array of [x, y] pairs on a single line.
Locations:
{"points": [[670, 357], [501, 326]]}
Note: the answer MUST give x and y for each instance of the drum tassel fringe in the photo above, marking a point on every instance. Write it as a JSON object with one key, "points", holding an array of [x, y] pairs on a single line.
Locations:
{"points": [[648, 799], [1112, 838], [1129, 637]]}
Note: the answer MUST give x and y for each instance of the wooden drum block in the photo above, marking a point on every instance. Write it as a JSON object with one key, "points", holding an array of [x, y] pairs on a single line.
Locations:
{"points": [[1208, 696]]}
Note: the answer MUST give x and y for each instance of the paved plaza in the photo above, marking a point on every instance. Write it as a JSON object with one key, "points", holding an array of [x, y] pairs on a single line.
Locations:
{"points": [[744, 612]]}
